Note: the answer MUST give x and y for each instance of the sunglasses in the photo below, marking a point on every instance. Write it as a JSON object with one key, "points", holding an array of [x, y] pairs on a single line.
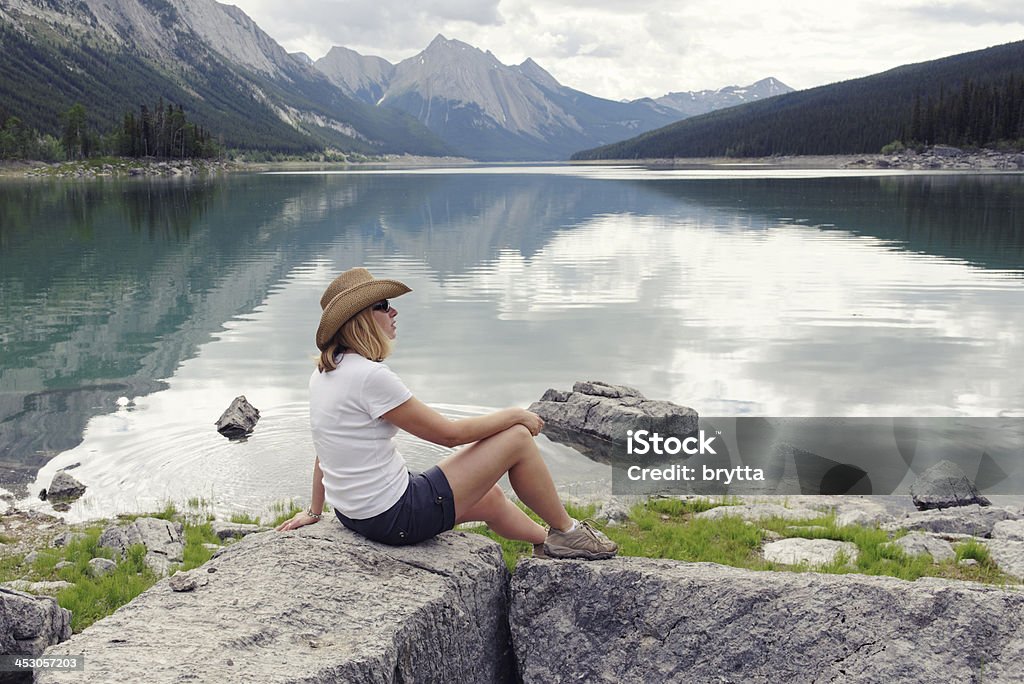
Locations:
{"points": [[382, 305]]}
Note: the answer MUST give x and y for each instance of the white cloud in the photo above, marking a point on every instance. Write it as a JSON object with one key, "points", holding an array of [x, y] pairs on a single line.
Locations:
{"points": [[620, 50]]}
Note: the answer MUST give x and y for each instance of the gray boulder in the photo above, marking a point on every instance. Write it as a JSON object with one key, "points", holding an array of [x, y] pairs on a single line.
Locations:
{"points": [[608, 411], [319, 604], [1012, 530], [647, 620], [759, 511], [946, 151], [189, 581], [860, 512], [226, 530], [612, 512], [919, 543], [50, 588], [1007, 555], [811, 552], [945, 485], [239, 419], [66, 537], [102, 566], [28, 624], [164, 541], [64, 487], [976, 521]]}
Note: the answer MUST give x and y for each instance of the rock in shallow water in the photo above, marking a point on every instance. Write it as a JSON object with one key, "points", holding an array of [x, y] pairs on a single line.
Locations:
{"points": [[239, 419], [63, 488], [945, 485], [609, 411]]}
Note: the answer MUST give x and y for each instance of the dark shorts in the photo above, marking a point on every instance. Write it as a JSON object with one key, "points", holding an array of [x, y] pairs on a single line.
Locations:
{"points": [[426, 509]]}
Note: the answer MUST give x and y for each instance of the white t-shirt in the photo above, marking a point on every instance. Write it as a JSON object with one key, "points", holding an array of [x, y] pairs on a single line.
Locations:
{"points": [[364, 474]]}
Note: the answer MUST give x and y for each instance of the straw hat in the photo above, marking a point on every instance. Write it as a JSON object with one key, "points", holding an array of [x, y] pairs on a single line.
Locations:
{"points": [[350, 293]]}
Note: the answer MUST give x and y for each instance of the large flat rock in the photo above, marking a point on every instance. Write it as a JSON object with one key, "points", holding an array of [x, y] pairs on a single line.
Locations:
{"points": [[975, 520], [646, 620], [320, 604]]}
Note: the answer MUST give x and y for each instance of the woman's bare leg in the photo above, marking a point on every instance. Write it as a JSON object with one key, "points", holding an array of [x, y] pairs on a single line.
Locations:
{"points": [[504, 517], [472, 471]]}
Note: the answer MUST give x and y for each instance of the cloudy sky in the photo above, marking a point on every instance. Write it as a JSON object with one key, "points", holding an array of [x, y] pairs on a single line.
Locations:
{"points": [[635, 48]]}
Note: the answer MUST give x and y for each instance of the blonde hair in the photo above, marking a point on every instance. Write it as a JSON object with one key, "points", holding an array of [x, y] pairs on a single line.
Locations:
{"points": [[360, 334]]}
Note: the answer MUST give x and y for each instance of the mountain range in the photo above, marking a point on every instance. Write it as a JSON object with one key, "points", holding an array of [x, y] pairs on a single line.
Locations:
{"points": [[235, 80], [972, 99], [695, 103], [493, 111], [228, 74]]}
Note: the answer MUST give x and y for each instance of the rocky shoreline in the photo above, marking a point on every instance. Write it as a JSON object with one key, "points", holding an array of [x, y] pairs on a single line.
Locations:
{"points": [[944, 158], [265, 609], [937, 158], [127, 168], [182, 603], [120, 167]]}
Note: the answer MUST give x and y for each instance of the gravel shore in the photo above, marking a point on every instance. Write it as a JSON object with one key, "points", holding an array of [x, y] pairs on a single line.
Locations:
{"points": [[938, 158]]}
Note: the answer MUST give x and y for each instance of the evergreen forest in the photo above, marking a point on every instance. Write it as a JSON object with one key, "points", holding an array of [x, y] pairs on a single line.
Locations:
{"points": [[973, 100]]}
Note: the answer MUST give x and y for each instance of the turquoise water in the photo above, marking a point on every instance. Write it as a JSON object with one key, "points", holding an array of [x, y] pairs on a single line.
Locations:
{"points": [[132, 312]]}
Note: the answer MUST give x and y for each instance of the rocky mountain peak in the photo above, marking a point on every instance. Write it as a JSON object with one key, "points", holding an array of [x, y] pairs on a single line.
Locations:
{"points": [[693, 103], [443, 52], [361, 76], [458, 72], [538, 74]]}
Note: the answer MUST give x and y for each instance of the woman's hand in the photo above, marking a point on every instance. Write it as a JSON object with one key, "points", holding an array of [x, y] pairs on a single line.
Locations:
{"points": [[300, 519], [532, 421]]}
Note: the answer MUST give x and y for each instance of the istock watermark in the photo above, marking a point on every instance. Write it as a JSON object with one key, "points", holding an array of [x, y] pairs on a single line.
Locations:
{"points": [[642, 442], [814, 455]]}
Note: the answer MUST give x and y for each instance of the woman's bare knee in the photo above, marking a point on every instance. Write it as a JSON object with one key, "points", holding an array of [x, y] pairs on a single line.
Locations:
{"points": [[487, 507], [519, 436]]}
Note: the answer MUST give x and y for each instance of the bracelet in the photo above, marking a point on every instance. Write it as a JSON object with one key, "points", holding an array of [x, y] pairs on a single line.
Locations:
{"points": [[311, 514]]}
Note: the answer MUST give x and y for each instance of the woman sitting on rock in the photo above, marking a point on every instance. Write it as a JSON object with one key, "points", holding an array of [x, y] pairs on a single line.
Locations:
{"points": [[356, 406]]}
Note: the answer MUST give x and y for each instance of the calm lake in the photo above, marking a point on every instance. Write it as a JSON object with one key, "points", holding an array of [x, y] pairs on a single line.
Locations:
{"points": [[132, 312]]}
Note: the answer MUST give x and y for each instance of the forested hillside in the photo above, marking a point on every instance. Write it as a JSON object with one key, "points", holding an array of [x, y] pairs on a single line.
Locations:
{"points": [[47, 68], [975, 99]]}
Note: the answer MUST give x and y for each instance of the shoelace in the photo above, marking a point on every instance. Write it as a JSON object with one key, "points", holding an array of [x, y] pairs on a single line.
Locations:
{"points": [[589, 525]]}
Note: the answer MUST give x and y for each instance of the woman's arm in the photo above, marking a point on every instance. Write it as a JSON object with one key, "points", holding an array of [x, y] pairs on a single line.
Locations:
{"points": [[316, 504], [418, 419]]}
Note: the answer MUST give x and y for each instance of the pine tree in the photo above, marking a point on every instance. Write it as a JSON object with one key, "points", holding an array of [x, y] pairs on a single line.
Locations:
{"points": [[74, 136]]}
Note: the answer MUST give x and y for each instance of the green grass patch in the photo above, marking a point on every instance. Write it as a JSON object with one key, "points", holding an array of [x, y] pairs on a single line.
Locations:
{"points": [[168, 512], [244, 519], [285, 510], [669, 528], [652, 533], [195, 554], [985, 571], [11, 567], [92, 598]]}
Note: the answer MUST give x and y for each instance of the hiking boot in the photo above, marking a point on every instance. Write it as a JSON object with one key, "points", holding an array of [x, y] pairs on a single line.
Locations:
{"points": [[538, 551], [583, 542]]}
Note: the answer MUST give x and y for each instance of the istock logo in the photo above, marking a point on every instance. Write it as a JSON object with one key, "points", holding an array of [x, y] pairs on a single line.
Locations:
{"points": [[643, 442]]}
